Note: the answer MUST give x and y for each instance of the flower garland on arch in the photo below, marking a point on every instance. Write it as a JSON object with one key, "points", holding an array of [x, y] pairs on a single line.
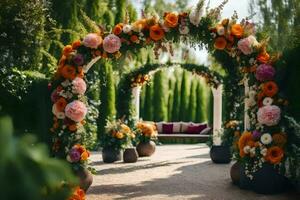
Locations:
{"points": [[193, 28]]}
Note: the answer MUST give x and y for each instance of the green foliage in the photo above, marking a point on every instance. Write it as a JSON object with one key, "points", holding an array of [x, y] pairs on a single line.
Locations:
{"points": [[121, 11], [184, 101], [25, 161], [107, 108], [170, 99], [159, 97], [210, 108], [201, 110], [192, 109], [22, 40]]}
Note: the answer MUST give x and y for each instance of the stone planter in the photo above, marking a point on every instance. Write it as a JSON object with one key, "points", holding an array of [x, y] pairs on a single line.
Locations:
{"points": [[85, 178], [220, 154], [130, 155], [145, 148], [268, 181], [235, 173], [110, 155]]}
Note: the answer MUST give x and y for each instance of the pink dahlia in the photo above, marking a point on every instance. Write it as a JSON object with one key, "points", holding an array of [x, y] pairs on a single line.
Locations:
{"points": [[79, 86], [269, 115], [92, 40], [265, 72], [76, 111], [111, 43], [245, 45]]}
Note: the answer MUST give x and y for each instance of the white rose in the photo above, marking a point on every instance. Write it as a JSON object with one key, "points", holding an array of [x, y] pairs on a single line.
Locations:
{"points": [[266, 138], [127, 28], [267, 101], [60, 115]]}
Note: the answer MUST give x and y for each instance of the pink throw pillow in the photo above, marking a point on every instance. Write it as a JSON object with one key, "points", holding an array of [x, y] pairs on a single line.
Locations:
{"points": [[192, 129]]}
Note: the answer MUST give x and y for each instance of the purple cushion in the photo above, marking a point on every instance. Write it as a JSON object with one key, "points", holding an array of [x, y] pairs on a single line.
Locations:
{"points": [[167, 128], [196, 129]]}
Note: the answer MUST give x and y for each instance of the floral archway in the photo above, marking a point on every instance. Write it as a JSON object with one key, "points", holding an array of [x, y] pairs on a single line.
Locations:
{"points": [[233, 44]]}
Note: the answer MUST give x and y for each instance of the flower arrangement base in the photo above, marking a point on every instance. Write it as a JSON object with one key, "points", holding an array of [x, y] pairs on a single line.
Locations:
{"points": [[130, 155], [220, 154], [110, 155], [268, 181], [85, 178], [244, 183], [235, 173], [145, 149]]}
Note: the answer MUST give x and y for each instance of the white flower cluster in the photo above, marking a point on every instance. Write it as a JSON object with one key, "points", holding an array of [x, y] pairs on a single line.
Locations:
{"points": [[196, 14]]}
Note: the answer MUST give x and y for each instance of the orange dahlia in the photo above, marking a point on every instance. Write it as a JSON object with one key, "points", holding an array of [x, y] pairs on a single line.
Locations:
{"points": [[274, 155], [67, 50], [134, 38], [245, 139], [156, 32], [171, 20], [270, 88], [220, 43], [76, 44], [118, 29], [263, 57], [237, 30], [68, 72]]}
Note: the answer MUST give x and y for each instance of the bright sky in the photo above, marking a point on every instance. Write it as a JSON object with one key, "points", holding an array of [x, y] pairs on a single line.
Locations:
{"points": [[241, 6]]}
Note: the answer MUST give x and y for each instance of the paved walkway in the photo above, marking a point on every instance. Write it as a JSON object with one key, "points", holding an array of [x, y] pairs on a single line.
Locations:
{"points": [[176, 172]]}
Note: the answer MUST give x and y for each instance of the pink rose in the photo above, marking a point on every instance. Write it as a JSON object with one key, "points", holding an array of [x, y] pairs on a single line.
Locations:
{"points": [[76, 111], [269, 115], [245, 46], [111, 43], [92, 40], [79, 86]]}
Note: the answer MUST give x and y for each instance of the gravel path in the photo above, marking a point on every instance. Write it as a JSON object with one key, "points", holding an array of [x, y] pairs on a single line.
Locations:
{"points": [[176, 172]]}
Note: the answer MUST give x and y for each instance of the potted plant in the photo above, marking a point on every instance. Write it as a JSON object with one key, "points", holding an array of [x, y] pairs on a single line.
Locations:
{"points": [[116, 138], [146, 134]]}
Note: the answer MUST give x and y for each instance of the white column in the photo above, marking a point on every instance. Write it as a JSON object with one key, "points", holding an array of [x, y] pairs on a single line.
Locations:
{"points": [[136, 101], [246, 106], [217, 117]]}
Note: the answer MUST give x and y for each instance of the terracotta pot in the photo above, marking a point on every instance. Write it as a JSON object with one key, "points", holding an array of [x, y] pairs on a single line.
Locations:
{"points": [[110, 155], [145, 148], [220, 154], [267, 180], [130, 155], [235, 173], [85, 178]]}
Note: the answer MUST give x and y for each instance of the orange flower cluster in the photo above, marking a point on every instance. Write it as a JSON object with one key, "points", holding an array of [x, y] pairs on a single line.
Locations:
{"points": [[147, 129], [274, 155], [122, 132], [140, 80], [85, 154], [279, 139], [78, 194], [269, 88], [245, 140]]}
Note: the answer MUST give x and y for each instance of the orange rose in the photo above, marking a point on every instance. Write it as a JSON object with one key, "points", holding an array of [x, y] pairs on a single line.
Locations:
{"points": [[270, 88], [61, 104], [237, 30], [84, 155], [119, 135], [67, 50], [80, 72], [263, 57], [171, 20], [156, 32], [76, 44], [134, 38], [274, 155], [279, 139], [118, 29], [68, 72], [220, 43]]}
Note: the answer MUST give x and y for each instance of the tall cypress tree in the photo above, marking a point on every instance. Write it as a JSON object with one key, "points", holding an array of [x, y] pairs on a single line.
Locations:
{"points": [[121, 11], [170, 99], [201, 106], [148, 109], [107, 97], [176, 103], [142, 102], [210, 108], [184, 101], [159, 100], [192, 102]]}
